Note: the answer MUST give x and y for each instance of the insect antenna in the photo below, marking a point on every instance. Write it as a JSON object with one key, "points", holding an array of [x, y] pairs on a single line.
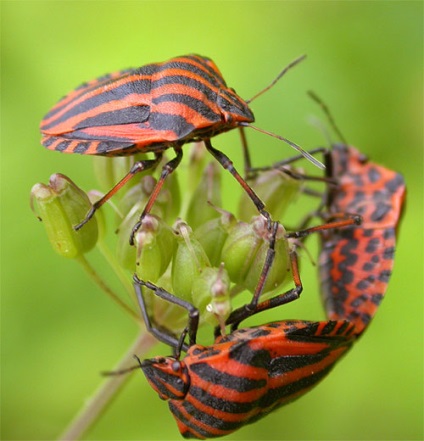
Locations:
{"points": [[287, 68], [328, 114], [304, 153]]}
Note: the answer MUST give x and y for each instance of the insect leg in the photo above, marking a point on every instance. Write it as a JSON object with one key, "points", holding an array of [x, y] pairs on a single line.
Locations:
{"points": [[161, 333], [167, 169], [252, 308], [344, 220], [225, 161], [136, 168]]}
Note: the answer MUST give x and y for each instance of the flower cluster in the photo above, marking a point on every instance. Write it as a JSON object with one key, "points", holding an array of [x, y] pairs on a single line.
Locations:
{"points": [[190, 246]]}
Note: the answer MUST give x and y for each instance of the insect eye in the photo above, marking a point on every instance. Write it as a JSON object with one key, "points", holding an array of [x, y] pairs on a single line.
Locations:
{"points": [[176, 366]]}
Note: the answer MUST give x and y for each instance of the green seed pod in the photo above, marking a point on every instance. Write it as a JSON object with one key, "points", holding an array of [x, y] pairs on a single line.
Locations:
{"points": [[189, 261], [211, 295], [155, 242], [61, 205], [139, 194], [213, 234], [245, 251], [240, 248], [206, 195], [276, 189], [280, 268]]}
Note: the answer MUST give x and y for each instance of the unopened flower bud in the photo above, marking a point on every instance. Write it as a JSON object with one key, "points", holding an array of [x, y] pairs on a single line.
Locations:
{"points": [[213, 234], [61, 205], [211, 295], [206, 195], [189, 261], [155, 243], [245, 250]]}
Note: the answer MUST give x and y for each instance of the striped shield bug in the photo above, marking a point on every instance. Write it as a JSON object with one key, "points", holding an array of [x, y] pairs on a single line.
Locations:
{"points": [[214, 390], [355, 265], [151, 109]]}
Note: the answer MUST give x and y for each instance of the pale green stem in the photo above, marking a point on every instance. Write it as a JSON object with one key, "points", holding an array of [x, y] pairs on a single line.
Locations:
{"points": [[99, 281], [104, 395], [117, 268]]}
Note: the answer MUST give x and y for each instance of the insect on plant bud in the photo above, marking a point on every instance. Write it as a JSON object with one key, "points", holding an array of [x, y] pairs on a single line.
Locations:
{"points": [[61, 205], [276, 189], [206, 195], [245, 251]]}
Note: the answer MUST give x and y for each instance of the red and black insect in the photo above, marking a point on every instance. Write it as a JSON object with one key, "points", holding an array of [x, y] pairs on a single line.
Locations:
{"points": [[355, 264], [151, 109], [214, 390]]}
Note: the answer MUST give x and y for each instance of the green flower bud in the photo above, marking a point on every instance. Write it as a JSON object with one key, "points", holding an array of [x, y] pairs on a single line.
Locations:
{"points": [[213, 234], [276, 189], [189, 261], [155, 242], [280, 268], [139, 195], [245, 251], [207, 192], [61, 205], [211, 295], [169, 198]]}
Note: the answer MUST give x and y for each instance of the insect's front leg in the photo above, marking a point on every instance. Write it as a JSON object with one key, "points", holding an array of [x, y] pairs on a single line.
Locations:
{"points": [[161, 333], [136, 168], [225, 161]]}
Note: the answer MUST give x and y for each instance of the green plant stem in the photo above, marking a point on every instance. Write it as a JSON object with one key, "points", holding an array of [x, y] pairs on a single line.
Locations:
{"points": [[99, 281], [103, 396], [119, 271]]}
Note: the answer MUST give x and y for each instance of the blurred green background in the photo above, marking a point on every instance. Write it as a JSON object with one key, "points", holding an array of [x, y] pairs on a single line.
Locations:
{"points": [[59, 331]]}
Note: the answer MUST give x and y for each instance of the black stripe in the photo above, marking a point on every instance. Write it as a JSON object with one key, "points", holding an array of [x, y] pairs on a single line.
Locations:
{"points": [[203, 62], [128, 115], [231, 382], [81, 147], [211, 77], [175, 123], [195, 104], [219, 403], [209, 419], [118, 93], [206, 419], [186, 81], [284, 392], [250, 357], [62, 146], [282, 365]]}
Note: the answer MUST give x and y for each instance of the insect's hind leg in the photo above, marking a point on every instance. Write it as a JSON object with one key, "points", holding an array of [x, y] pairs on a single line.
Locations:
{"points": [[254, 307]]}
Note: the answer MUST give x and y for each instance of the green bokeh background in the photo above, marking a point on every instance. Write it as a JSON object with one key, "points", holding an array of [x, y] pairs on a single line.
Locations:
{"points": [[59, 330]]}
